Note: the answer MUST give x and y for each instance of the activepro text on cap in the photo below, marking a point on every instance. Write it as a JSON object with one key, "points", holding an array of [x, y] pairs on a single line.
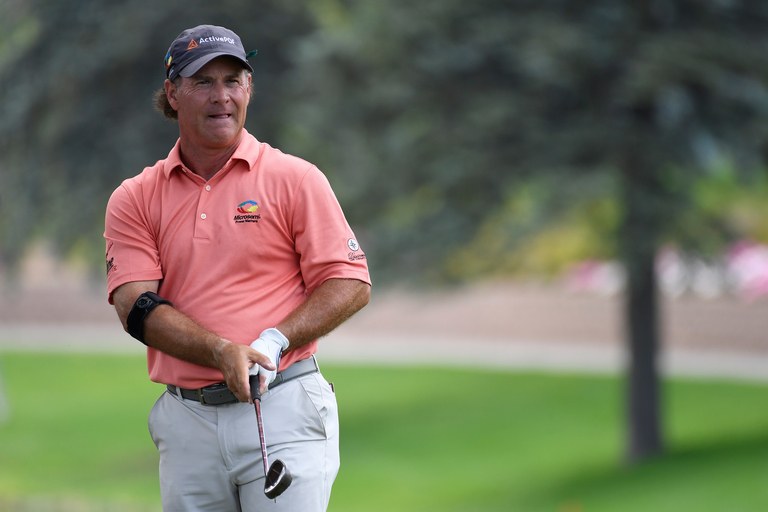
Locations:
{"points": [[197, 46]]}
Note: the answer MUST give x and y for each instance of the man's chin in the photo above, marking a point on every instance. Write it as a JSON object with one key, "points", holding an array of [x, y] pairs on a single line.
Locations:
{"points": [[223, 136]]}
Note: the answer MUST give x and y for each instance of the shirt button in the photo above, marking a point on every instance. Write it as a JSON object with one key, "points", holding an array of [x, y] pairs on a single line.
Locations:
{"points": [[203, 216], [207, 188]]}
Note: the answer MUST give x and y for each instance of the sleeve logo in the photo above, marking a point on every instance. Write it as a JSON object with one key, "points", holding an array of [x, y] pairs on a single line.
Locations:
{"points": [[353, 253]]}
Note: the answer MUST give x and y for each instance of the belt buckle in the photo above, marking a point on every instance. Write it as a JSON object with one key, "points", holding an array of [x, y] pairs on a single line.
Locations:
{"points": [[201, 396], [217, 394]]}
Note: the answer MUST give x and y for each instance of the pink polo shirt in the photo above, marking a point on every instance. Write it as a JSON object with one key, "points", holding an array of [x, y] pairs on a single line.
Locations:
{"points": [[236, 253]]}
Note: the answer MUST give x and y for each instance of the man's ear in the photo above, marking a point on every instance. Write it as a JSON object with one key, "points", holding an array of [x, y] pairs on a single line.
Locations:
{"points": [[170, 93]]}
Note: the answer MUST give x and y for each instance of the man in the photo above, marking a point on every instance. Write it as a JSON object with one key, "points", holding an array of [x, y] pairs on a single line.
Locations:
{"points": [[230, 257]]}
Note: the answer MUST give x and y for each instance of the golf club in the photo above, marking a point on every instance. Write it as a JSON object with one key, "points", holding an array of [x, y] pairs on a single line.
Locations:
{"points": [[277, 478]]}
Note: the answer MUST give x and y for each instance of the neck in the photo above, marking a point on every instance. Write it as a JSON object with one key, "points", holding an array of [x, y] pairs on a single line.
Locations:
{"points": [[206, 161]]}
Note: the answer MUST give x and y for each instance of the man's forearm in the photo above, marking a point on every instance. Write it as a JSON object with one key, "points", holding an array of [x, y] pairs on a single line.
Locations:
{"points": [[177, 335], [168, 329], [174, 333], [327, 307]]}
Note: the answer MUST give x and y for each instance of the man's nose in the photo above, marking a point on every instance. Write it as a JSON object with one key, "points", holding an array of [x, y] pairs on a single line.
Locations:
{"points": [[219, 93]]}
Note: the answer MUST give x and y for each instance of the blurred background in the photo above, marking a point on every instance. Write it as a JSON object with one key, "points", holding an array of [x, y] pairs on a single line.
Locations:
{"points": [[553, 185]]}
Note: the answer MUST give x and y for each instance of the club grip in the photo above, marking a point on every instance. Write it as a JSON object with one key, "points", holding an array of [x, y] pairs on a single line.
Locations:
{"points": [[253, 380]]}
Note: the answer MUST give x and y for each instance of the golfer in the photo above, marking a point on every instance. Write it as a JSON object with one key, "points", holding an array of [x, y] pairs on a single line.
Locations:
{"points": [[225, 258]]}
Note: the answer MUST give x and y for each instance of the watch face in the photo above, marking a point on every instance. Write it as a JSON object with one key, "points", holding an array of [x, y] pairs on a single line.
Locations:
{"points": [[143, 302]]}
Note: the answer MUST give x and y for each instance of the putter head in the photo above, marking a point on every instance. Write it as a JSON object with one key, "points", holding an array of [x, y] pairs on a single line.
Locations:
{"points": [[277, 481]]}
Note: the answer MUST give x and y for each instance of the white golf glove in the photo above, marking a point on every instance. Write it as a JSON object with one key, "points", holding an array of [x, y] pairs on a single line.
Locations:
{"points": [[271, 343]]}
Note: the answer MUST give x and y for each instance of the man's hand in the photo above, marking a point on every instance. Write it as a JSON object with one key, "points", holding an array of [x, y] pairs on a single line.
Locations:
{"points": [[234, 360], [270, 343]]}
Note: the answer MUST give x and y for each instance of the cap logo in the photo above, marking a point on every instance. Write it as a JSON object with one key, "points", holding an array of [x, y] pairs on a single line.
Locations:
{"points": [[192, 45], [217, 39]]}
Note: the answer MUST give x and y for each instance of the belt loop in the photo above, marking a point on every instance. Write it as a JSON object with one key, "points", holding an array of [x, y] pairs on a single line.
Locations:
{"points": [[200, 397]]}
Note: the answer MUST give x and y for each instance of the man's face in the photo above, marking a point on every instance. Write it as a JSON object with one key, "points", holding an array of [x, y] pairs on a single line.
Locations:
{"points": [[212, 104]]}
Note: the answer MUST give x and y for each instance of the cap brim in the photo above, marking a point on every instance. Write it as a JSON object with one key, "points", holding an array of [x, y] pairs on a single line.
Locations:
{"points": [[194, 66]]}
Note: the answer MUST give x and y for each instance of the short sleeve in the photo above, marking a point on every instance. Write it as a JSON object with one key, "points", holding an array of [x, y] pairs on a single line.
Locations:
{"points": [[131, 246], [324, 240]]}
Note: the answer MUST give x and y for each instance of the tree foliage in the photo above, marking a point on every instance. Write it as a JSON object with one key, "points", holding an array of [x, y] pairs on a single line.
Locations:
{"points": [[434, 130], [77, 81]]}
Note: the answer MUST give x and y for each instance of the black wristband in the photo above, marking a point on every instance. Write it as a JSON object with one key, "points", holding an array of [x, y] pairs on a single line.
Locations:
{"points": [[143, 306]]}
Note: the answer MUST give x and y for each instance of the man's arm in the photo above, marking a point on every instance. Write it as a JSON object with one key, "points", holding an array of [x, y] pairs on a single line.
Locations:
{"points": [[174, 333], [329, 305]]}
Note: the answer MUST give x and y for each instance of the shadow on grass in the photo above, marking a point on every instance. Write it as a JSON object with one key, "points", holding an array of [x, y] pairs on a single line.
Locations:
{"points": [[720, 474]]}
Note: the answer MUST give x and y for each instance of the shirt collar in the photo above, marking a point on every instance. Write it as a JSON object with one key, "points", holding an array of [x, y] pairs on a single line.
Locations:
{"points": [[246, 151]]}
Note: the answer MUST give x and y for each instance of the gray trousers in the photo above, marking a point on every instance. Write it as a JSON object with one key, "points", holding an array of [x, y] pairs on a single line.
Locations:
{"points": [[210, 459]]}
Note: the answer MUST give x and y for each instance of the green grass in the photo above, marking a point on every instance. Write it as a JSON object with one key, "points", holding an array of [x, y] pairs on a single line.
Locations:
{"points": [[413, 439]]}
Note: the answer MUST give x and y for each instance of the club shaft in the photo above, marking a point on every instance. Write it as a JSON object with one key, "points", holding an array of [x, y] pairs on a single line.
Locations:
{"points": [[262, 442]]}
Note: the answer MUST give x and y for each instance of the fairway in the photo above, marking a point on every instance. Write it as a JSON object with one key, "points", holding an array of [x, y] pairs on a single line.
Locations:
{"points": [[74, 438]]}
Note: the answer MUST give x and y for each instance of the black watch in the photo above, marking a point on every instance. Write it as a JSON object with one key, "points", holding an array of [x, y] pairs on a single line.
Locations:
{"points": [[143, 306]]}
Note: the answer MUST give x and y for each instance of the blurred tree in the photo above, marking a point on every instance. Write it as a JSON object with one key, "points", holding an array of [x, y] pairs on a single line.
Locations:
{"points": [[77, 118], [434, 113]]}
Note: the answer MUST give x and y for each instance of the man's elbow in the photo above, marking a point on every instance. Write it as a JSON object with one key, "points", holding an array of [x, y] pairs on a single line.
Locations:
{"points": [[363, 296], [122, 309]]}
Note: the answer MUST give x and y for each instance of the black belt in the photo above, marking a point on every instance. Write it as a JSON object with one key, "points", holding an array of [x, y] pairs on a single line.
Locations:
{"points": [[219, 394]]}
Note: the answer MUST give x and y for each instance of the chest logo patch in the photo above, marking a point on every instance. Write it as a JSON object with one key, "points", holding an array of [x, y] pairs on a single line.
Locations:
{"points": [[247, 212]]}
